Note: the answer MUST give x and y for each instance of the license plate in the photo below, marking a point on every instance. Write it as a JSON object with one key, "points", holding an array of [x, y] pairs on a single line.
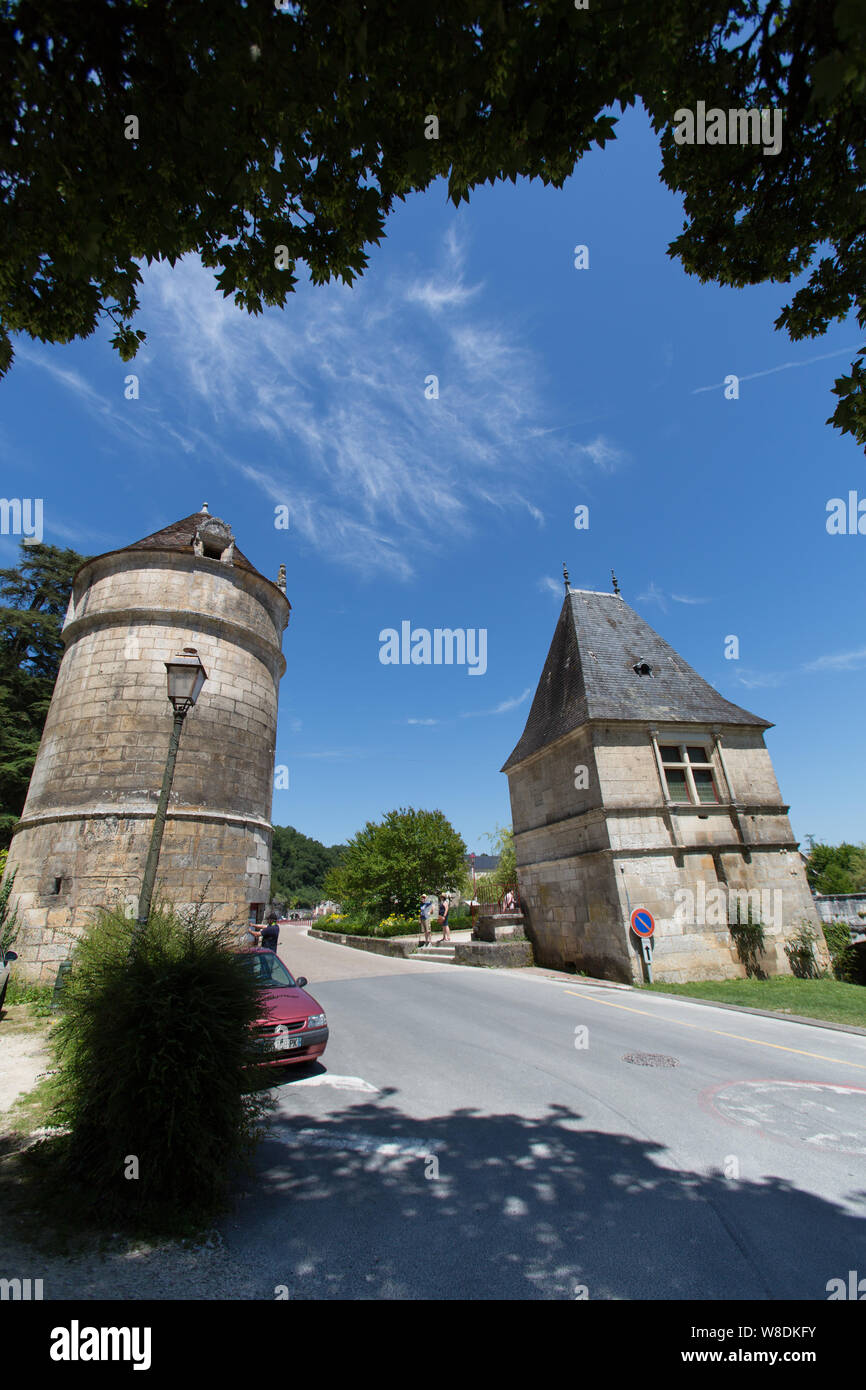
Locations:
{"points": [[284, 1042]]}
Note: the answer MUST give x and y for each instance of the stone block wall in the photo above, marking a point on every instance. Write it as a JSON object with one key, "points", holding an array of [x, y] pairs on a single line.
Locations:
{"points": [[622, 847], [93, 794]]}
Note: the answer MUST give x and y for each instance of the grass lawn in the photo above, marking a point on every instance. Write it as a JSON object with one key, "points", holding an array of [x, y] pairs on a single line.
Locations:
{"points": [[830, 1000]]}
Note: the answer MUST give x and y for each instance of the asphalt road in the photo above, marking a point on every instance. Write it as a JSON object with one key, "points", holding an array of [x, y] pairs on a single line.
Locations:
{"points": [[481, 1134]]}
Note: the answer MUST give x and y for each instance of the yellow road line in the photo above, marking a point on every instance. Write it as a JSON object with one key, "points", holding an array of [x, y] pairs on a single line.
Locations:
{"points": [[740, 1037]]}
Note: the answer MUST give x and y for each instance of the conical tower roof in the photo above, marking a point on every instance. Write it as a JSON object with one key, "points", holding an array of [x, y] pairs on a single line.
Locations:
{"points": [[180, 536], [590, 674]]}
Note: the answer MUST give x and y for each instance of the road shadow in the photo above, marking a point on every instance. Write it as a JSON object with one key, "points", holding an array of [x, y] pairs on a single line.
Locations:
{"points": [[472, 1205]]}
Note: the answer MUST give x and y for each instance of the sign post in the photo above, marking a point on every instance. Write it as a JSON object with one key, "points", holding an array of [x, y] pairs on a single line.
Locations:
{"points": [[643, 925]]}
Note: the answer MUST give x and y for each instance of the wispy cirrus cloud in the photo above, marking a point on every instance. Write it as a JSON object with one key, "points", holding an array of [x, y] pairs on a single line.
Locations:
{"points": [[840, 661], [325, 406], [555, 587], [502, 708], [852, 660], [653, 594]]}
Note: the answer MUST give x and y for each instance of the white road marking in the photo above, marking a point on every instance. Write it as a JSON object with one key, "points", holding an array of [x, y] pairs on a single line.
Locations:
{"points": [[340, 1083], [365, 1143]]}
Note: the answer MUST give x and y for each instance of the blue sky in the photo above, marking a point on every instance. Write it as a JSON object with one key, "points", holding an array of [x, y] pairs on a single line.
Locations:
{"points": [[558, 387]]}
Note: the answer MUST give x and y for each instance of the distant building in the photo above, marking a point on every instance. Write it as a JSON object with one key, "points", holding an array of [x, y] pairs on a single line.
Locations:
{"points": [[83, 836], [636, 784]]}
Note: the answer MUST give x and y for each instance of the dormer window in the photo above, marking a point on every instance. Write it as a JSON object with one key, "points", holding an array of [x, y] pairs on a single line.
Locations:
{"points": [[214, 541], [642, 668]]}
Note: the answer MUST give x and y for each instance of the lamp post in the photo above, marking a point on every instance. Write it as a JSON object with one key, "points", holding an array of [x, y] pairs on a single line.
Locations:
{"points": [[185, 676]]}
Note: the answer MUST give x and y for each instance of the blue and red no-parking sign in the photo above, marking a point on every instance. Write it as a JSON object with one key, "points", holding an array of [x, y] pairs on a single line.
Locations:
{"points": [[642, 923]]}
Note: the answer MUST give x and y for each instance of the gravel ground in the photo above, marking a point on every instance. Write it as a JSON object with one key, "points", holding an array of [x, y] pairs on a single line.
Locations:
{"points": [[23, 1054]]}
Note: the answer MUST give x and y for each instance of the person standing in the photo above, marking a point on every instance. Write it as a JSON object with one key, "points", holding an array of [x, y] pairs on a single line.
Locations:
{"points": [[444, 909], [270, 933], [426, 909]]}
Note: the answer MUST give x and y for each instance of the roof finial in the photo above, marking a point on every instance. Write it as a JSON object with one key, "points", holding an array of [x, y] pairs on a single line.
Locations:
{"points": [[615, 584], [204, 509], [566, 579]]}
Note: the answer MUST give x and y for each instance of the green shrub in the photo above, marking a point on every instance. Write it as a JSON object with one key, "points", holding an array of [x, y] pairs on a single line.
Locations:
{"points": [[8, 920], [842, 954], [154, 1048], [800, 950], [749, 944], [22, 991], [356, 925]]}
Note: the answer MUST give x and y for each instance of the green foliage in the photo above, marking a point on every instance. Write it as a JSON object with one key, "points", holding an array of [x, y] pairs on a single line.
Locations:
{"points": [[301, 127], [837, 868], [348, 925], [298, 867], [154, 1049], [388, 866], [33, 602], [491, 887], [842, 954], [749, 943], [800, 950], [8, 919], [39, 997]]}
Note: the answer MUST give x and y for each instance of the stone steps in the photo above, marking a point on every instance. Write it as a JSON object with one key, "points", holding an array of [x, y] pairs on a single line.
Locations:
{"points": [[435, 952]]}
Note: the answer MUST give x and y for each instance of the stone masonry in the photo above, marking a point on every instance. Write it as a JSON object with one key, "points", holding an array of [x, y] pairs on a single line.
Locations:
{"points": [[635, 784], [84, 832]]}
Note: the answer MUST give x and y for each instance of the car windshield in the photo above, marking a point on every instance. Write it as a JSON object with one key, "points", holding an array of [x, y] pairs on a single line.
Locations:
{"points": [[267, 969]]}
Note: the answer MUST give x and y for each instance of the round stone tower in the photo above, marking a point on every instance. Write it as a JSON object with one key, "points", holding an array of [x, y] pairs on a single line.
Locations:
{"points": [[83, 836]]}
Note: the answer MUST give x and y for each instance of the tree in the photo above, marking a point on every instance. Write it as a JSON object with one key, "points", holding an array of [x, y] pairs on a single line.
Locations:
{"points": [[299, 865], [270, 133], [504, 876], [837, 868], [389, 865], [33, 602]]}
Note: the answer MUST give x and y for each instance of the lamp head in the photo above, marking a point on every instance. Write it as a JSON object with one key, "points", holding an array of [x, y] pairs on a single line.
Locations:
{"points": [[186, 676]]}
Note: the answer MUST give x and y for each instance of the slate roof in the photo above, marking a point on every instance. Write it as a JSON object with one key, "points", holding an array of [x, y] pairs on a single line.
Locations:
{"points": [[180, 536], [589, 675]]}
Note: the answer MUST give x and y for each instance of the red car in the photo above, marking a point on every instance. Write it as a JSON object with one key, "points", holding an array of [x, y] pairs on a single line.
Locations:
{"points": [[293, 1027]]}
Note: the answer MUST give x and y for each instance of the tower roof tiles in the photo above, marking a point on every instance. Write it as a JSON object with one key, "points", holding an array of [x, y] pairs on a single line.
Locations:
{"points": [[590, 674], [180, 536]]}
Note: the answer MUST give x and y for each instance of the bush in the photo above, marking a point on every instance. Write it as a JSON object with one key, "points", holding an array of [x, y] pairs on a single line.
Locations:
{"points": [[23, 991], [355, 925], [800, 950], [749, 943], [153, 1049], [842, 954], [8, 920]]}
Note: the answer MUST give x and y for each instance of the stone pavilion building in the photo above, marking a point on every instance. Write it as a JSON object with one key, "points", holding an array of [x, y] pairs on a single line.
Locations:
{"points": [[636, 784]]}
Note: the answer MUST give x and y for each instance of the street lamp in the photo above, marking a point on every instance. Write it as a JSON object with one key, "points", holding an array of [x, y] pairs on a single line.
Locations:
{"points": [[185, 676]]}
